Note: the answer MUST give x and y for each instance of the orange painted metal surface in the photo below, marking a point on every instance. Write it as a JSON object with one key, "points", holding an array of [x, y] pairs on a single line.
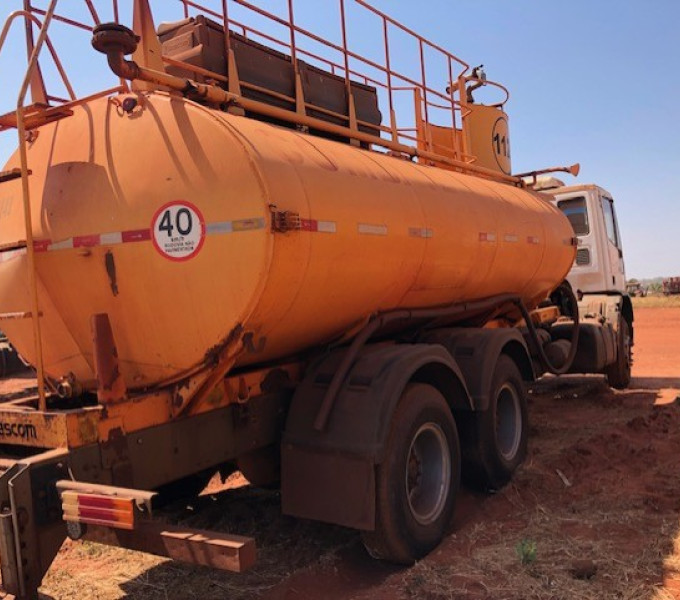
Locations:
{"points": [[376, 233]]}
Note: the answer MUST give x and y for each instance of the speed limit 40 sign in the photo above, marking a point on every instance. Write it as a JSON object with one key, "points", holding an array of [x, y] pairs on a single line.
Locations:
{"points": [[178, 230]]}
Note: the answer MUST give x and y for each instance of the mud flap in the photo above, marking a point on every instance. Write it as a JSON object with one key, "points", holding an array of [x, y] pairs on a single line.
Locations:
{"points": [[329, 475], [31, 527]]}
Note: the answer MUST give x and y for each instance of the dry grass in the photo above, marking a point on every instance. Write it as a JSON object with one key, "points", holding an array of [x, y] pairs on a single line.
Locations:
{"points": [[618, 512], [657, 301], [285, 546], [563, 538], [627, 533]]}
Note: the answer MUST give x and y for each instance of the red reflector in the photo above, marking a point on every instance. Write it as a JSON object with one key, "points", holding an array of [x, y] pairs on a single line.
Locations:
{"points": [[110, 511]]}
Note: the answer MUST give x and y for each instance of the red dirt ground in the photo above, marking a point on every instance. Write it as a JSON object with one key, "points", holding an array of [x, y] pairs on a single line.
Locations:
{"points": [[594, 512]]}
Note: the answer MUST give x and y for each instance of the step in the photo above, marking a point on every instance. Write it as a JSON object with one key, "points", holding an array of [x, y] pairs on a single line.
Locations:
{"points": [[9, 246], [17, 316], [10, 175], [35, 115]]}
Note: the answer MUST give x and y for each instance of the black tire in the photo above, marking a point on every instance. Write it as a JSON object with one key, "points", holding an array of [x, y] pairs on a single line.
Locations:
{"points": [[417, 484], [618, 374], [499, 444], [262, 467]]}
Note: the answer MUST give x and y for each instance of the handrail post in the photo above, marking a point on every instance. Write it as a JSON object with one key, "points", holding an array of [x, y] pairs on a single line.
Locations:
{"points": [[351, 106], [428, 138], [464, 113], [345, 55], [38, 91], [300, 102], [452, 92], [291, 21], [390, 91], [225, 14], [28, 221]]}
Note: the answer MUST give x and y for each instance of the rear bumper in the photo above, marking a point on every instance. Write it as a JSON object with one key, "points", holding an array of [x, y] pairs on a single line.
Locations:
{"points": [[37, 494]]}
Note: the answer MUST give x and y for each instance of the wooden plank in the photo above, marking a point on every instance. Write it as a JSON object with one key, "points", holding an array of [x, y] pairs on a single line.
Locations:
{"points": [[197, 547]]}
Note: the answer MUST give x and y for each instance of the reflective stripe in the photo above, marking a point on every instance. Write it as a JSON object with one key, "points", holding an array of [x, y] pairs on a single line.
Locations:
{"points": [[370, 229]]}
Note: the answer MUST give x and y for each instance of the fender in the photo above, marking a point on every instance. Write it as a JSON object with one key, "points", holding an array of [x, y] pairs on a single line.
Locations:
{"points": [[627, 312], [330, 475], [476, 352]]}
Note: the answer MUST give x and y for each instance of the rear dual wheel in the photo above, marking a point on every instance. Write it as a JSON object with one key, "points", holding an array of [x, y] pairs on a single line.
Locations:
{"points": [[499, 444], [417, 484]]}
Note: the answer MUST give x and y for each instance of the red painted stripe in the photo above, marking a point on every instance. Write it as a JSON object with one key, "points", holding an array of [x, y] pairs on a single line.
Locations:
{"points": [[41, 245], [309, 225], [86, 241], [100, 514], [137, 235], [95, 502]]}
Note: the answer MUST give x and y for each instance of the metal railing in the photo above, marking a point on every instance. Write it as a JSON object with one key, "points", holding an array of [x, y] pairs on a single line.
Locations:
{"points": [[391, 80]]}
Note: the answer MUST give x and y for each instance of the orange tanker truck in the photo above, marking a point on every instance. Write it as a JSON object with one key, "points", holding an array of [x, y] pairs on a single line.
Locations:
{"points": [[238, 257]]}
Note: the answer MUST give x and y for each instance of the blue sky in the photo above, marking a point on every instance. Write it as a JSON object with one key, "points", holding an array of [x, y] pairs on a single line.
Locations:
{"points": [[595, 82]]}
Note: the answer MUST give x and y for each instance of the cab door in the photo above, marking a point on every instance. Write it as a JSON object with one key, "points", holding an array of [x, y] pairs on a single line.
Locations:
{"points": [[614, 251]]}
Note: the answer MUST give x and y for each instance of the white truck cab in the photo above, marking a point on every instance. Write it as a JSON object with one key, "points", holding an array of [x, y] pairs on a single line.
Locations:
{"points": [[599, 266], [598, 278]]}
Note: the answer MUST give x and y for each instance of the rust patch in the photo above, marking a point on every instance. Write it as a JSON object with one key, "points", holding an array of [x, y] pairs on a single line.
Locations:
{"points": [[251, 346], [111, 272]]}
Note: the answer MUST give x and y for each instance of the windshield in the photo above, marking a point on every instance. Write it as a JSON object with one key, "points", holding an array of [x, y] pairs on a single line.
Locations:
{"points": [[575, 210]]}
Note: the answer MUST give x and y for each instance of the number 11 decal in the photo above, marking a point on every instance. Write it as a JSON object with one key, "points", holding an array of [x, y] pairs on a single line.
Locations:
{"points": [[500, 143]]}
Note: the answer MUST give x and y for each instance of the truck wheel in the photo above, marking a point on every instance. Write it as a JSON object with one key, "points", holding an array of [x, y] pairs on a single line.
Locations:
{"points": [[502, 430], [618, 374], [417, 484]]}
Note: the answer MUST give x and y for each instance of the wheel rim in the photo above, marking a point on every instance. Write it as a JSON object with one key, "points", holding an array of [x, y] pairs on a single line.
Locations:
{"points": [[508, 421], [428, 473], [627, 348]]}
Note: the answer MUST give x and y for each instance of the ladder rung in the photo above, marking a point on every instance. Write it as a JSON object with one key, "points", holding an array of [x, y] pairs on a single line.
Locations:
{"points": [[10, 175], [35, 115], [14, 316], [13, 246]]}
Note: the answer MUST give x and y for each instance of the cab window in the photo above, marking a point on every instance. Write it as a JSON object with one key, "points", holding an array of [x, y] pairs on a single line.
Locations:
{"points": [[575, 210], [610, 220]]}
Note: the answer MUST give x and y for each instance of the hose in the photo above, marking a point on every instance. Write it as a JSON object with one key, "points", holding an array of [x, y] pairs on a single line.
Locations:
{"points": [[545, 362]]}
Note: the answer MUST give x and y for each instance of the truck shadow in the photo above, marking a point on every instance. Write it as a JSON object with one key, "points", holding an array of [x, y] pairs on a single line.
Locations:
{"points": [[290, 551], [656, 383], [598, 498]]}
